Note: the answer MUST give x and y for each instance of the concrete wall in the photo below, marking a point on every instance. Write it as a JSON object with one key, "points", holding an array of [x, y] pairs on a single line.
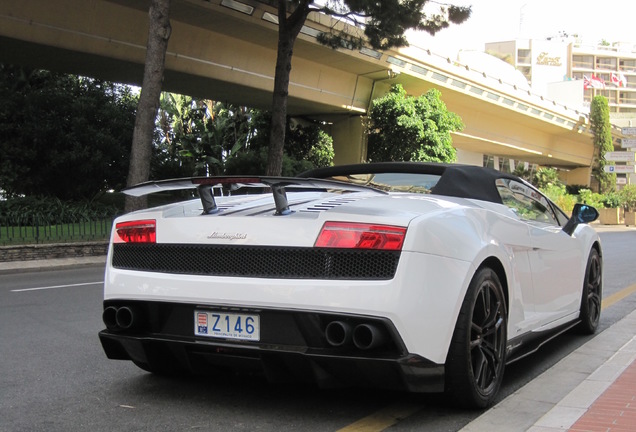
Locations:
{"points": [[52, 251]]}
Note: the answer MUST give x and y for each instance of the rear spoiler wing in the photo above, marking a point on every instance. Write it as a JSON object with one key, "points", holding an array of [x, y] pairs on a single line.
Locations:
{"points": [[206, 185]]}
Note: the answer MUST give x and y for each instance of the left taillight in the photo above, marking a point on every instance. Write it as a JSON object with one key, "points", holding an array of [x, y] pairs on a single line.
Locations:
{"points": [[350, 235], [140, 231]]}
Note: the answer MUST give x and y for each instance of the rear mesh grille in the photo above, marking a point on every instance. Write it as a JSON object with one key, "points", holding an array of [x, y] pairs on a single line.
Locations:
{"points": [[257, 261]]}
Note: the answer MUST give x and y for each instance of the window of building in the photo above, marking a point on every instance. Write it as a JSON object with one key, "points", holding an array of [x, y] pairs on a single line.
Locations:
{"points": [[627, 98], [524, 56], [583, 61], [628, 65], [608, 63], [609, 94], [505, 165], [491, 162]]}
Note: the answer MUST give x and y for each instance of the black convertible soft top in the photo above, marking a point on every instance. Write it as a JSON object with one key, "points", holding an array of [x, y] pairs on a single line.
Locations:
{"points": [[463, 181]]}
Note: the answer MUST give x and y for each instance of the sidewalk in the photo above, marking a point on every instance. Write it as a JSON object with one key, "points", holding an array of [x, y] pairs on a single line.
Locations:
{"points": [[51, 264]]}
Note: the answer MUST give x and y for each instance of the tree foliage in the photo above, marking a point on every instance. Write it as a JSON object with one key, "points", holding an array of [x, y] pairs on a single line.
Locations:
{"points": [[382, 25], [203, 137], [545, 177], [255, 162], [196, 136], [306, 147], [602, 130], [61, 135], [407, 128]]}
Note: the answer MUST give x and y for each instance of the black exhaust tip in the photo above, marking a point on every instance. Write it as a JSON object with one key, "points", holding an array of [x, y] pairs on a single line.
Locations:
{"points": [[109, 317], [338, 333], [125, 318], [368, 336]]}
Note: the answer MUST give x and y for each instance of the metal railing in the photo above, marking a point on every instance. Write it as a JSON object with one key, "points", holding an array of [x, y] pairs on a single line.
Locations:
{"points": [[97, 230]]}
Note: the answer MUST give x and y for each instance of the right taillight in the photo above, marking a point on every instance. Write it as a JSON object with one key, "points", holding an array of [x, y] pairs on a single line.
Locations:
{"points": [[141, 231], [351, 235]]}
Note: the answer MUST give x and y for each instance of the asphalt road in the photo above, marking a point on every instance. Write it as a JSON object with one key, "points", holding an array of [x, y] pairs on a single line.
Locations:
{"points": [[55, 377]]}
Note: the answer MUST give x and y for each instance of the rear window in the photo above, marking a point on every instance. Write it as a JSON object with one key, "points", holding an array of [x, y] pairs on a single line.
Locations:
{"points": [[393, 182]]}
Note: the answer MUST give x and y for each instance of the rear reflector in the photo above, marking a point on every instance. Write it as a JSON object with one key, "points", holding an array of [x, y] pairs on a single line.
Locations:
{"points": [[141, 231], [349, 235]]}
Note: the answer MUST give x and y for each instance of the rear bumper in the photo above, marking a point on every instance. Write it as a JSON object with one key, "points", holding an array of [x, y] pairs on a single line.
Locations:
{"points": [[409, 373], [293, 347]]}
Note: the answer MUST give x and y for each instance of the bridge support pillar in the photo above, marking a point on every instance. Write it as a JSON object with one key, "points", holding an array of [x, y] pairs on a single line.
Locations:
{"points": [[349, 140], [577, 176]]}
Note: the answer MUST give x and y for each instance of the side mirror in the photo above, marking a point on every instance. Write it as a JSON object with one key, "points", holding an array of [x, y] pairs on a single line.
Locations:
{"points": [[585, 213], [582, 213]]}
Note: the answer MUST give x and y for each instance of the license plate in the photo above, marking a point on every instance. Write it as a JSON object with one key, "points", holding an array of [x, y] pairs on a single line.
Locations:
{"points": [[227, 325]]}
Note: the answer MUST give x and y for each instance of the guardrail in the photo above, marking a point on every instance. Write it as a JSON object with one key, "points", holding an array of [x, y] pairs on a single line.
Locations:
{"points": [[84, 231]]}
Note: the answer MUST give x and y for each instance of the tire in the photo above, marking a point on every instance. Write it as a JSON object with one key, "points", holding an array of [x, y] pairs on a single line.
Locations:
{"points": [[592, 294], [477, 354]]}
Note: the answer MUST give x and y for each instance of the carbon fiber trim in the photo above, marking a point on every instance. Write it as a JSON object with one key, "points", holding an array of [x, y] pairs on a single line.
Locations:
{"points": [[257, 261]]}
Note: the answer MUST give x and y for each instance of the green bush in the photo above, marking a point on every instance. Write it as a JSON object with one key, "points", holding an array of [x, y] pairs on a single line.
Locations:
{"points": [[628, 197], [611, 200], [586, 196], [560, 197], [31, 211], [558, 193]]}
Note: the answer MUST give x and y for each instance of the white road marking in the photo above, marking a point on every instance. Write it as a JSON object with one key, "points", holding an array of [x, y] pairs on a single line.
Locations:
{"points": [[57, 286]]}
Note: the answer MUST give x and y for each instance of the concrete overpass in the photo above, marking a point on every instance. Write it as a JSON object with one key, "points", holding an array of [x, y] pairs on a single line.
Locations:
{"points": [[226, 50]]}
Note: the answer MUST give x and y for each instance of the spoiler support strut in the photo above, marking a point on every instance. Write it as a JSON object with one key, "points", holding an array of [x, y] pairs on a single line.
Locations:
{"points": [[280, 200], [206, 193]]}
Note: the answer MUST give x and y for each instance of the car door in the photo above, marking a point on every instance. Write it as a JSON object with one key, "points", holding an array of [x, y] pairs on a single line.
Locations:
{"points": [[554, 260], [555, 257]]}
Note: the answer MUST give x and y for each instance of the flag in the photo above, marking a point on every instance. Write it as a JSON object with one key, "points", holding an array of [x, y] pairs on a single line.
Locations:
{"points": [[614, 79], [622, 81], [618, 79], [597, 82]]}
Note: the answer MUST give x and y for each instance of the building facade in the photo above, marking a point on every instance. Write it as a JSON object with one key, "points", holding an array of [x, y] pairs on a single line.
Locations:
{"points": [[573, 73], [608, 70]]}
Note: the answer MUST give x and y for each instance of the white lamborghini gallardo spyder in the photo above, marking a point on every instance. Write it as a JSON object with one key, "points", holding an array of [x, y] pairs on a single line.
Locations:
{"points": [[414, 276]]}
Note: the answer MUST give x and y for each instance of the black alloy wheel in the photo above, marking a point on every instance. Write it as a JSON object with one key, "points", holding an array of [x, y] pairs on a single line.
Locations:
{"points": [[592, 294], [476, 358]]}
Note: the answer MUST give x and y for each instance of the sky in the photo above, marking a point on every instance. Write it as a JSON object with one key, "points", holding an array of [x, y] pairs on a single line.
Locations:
{"points": [[500, 20]]}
